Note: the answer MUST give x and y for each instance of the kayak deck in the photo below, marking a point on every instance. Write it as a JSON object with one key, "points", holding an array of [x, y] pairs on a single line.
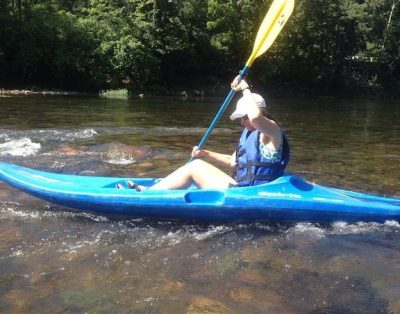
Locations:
{"points": [[289, 198]]}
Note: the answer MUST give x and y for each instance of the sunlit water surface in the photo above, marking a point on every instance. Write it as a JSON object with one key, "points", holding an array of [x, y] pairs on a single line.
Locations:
{"points": [[54, 260]]}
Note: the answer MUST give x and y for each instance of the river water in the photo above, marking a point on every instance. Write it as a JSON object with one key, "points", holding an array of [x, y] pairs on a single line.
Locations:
{"points": [[57, 261]]}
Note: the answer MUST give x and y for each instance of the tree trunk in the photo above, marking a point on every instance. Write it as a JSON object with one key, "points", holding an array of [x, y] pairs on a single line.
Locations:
{"points": [[388, 23]]}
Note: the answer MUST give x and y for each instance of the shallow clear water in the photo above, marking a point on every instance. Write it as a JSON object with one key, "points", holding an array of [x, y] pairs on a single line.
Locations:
{"points": [[55, 260]]}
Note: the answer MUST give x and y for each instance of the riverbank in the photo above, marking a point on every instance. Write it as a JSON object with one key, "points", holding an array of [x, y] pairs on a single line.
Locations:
{"points": [[28, 92], [272, 90], [112, 93]]}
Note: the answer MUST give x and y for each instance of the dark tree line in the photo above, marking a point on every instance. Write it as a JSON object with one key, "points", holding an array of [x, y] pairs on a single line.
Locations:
{"points": [[327, 45]]}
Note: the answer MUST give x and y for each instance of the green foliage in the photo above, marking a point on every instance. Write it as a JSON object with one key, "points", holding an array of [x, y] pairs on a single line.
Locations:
{"points": [[123, 39], [321, 31], [95, 44], [233, 27]]}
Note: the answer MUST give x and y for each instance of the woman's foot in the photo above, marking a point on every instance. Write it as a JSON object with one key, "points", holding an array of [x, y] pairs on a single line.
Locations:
{"points": [[119, 186], [133, 185]]}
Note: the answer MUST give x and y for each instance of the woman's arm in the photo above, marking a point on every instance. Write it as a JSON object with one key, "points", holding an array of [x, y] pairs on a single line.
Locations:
{"points": [[266, 126], [270, 130], [223, 160]]}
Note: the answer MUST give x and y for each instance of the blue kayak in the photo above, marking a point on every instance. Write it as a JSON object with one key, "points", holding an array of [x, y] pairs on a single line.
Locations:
{"points": [[288, 198]]}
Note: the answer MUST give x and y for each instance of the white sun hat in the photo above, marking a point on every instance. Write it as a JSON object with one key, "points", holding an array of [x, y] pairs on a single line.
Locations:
{"points": [[244, 102]]}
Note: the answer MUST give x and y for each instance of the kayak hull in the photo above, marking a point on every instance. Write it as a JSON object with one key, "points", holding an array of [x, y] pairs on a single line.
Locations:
{"points": [[289, 198]]}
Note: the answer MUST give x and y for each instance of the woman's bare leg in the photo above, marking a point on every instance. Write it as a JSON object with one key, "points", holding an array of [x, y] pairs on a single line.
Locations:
{"points": [[199, 172]]}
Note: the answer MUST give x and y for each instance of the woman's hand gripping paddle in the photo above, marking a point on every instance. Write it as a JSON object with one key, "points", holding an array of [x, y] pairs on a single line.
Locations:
{"points": [[276, 18]]}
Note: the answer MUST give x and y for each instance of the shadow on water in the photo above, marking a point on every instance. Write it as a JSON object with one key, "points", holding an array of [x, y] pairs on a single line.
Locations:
{"points": [[79, 262]]}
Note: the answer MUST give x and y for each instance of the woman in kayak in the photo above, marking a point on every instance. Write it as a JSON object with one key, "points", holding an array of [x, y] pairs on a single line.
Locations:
{"points": [[261, 156]]}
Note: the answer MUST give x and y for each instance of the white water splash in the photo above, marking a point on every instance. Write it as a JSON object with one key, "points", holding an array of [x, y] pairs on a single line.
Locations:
{"points": [[19, 147], [13, 209], [4, 137], [392, 223], [173, 238], [211, 232], [308, 229], [17, 253], [342, 228], [363, 227], [13, 212], [82, 134], [64, 135], [49, 135]]}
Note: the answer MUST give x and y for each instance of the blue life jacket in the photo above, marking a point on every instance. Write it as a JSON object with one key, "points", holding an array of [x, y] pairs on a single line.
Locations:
{"points": [[251, 167]]}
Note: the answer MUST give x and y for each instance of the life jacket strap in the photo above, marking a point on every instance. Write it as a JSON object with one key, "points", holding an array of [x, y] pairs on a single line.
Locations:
{"points": [[251, 177]]}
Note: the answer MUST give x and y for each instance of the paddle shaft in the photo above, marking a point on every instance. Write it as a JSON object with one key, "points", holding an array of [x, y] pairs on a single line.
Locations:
{"points": [[219, 114]]}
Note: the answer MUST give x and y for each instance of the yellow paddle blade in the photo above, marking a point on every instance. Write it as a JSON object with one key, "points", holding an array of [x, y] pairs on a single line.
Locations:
{"points": [[276, 18]]}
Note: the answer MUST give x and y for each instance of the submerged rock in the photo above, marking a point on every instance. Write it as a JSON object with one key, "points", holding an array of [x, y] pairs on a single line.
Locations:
{"points": [[168, 287], [19, 301], [261, 300], [202, 305]]}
